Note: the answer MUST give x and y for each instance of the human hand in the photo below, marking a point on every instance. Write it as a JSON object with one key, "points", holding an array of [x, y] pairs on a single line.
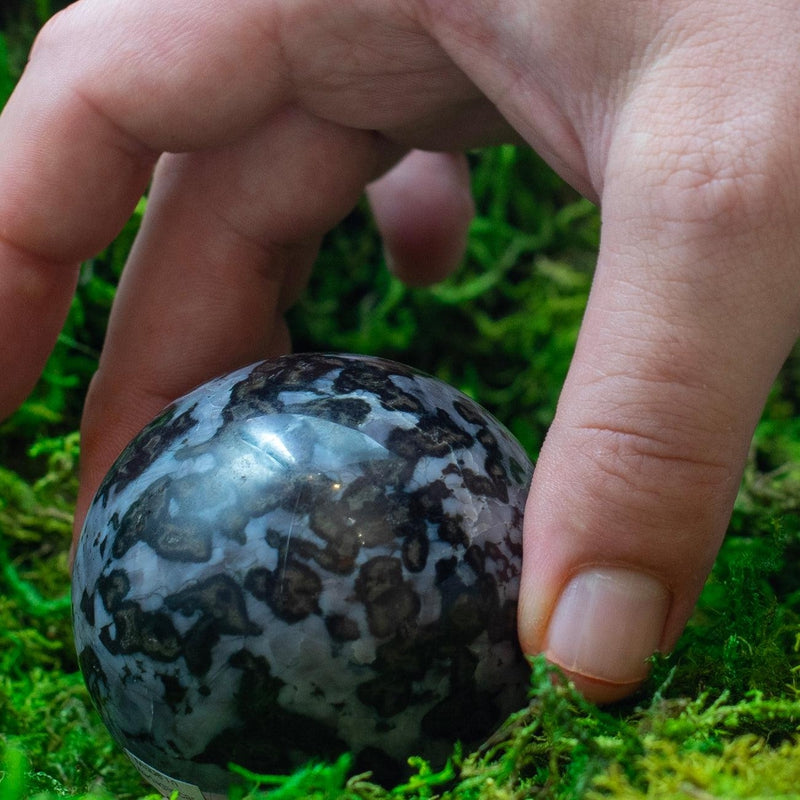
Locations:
{"points": [[680, 117]]}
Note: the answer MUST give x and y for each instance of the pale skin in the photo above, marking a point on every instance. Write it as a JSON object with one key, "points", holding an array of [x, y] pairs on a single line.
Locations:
{"points": [[679, 117]]}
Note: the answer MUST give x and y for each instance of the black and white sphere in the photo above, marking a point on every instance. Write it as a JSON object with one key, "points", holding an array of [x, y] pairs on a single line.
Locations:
{"points": [[310, 555]]}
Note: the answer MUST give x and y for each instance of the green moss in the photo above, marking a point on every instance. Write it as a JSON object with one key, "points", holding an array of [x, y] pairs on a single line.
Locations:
{"points": [[743, 767]]}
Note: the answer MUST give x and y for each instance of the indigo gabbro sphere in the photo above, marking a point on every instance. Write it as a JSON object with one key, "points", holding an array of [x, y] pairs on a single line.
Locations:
{"points": [[311, 555]]}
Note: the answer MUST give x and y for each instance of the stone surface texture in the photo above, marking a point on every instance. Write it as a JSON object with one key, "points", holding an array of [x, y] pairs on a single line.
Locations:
{"points": [[313, 554]]}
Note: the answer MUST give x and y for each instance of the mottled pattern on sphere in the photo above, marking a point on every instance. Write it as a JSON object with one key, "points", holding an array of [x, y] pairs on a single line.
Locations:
{"points": [[310, 555]]}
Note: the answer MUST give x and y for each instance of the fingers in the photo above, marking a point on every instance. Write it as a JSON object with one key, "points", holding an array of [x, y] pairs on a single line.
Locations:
{"points": [[635, 485], [55, 210], [693, 310], [226, 245], [112, 84], [423, 209], [81, 133], [185, 75], [170, 77], [35, 294], [87, 124]]}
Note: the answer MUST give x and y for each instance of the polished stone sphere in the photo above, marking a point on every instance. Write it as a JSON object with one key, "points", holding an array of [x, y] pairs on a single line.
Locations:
{"points": [[310, 555]]}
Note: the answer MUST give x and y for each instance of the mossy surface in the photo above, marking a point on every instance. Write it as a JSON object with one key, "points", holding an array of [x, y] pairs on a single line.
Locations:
{"points": [[719, 718]]}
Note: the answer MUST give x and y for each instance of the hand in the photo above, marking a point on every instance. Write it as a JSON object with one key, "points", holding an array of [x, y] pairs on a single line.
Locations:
{"points": [[680, 117]]}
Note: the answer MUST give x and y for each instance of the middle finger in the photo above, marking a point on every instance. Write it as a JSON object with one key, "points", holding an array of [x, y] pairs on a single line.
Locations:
{"points": [[226, 244]]}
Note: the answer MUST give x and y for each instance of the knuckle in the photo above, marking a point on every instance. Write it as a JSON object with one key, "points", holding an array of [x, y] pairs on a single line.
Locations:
{"points": [[631, 452], [55, 35], [662, 474]]}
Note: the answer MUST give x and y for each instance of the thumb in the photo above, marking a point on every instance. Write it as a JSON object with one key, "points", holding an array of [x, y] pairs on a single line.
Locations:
{"points": [[692, 312]]}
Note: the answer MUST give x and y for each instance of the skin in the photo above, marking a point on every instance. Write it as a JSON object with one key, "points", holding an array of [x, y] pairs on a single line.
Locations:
{"points": [[679, 117]]}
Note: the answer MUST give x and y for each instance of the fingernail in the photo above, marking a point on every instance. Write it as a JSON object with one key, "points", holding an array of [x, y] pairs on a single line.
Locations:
{"points": [[607, 623]]}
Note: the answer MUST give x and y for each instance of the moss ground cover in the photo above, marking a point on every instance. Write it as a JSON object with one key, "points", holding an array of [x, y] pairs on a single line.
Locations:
{"points": [[719, 717]]}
